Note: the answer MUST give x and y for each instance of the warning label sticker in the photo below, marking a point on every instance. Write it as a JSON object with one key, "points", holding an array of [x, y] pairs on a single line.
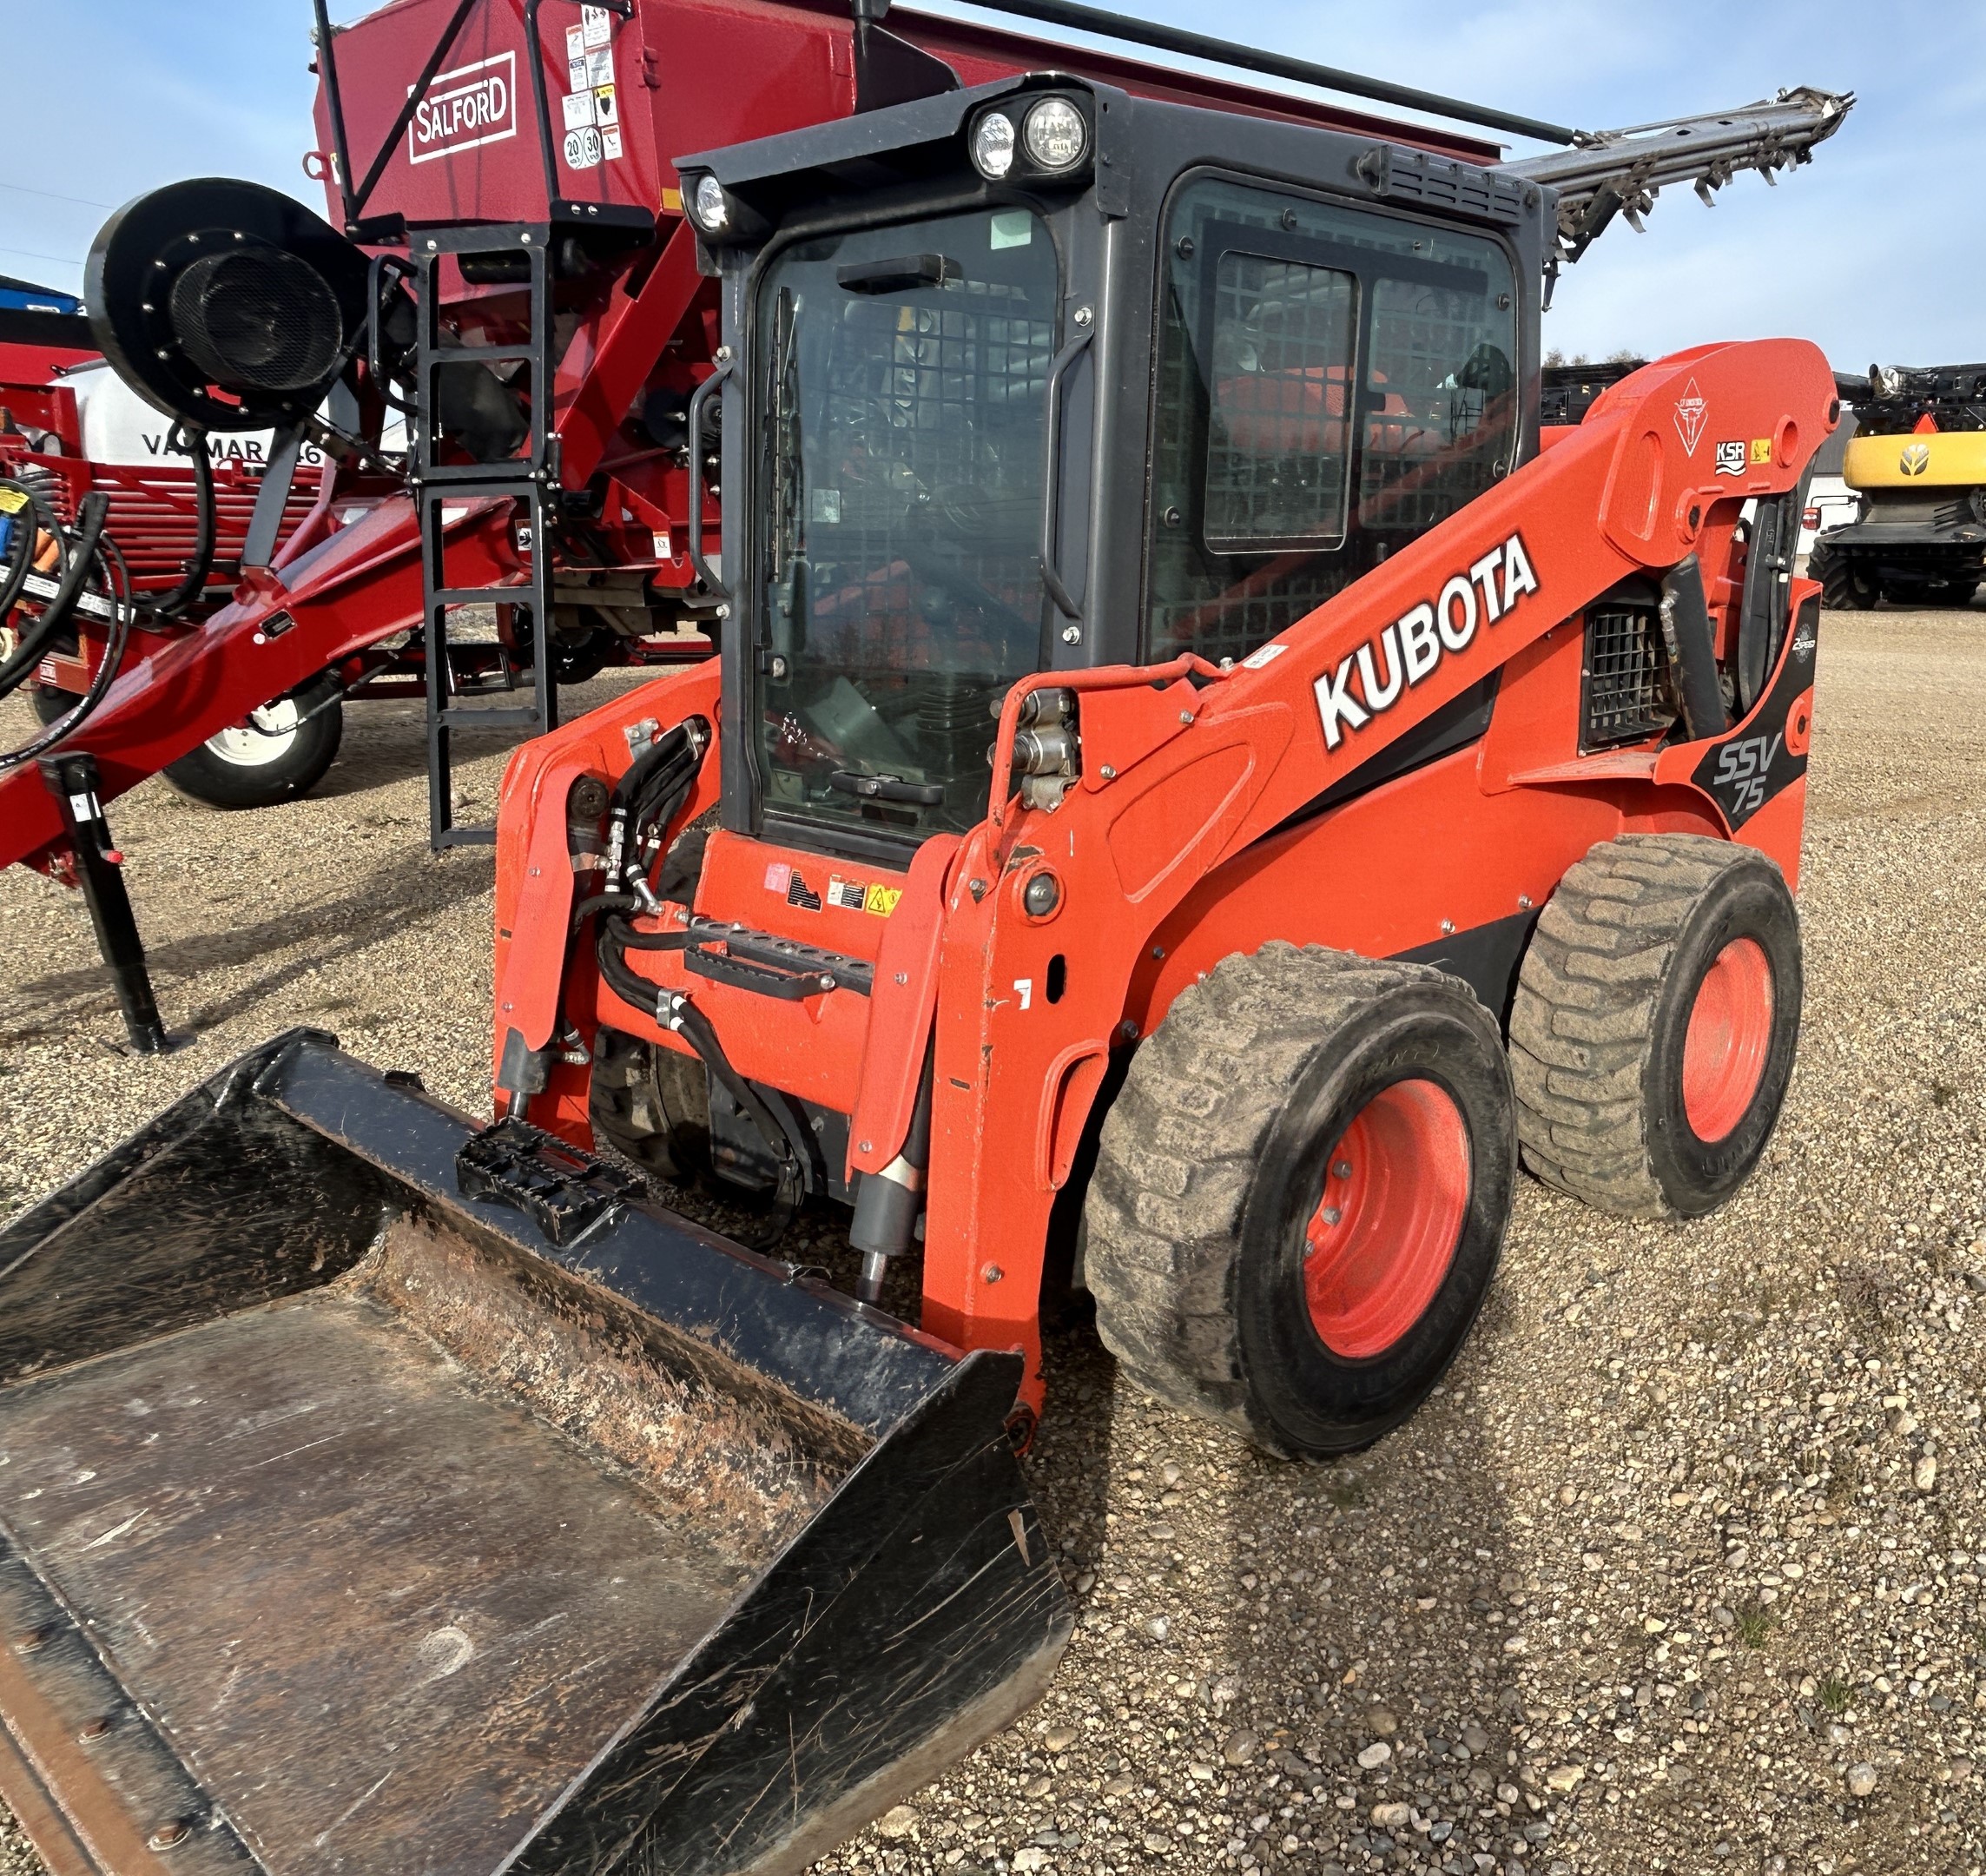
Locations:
{"points": [[604, 110], [583, 150], [597, 23], [578, 110], [859, 896], [610, 145]]}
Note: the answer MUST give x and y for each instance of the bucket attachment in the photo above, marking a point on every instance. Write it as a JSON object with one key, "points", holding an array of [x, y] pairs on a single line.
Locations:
{"points": [[378, 1493]]}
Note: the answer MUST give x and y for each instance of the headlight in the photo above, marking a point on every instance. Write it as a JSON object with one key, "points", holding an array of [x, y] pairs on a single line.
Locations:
{"points": [[1055, 134], [992, 145], [707, 208]]}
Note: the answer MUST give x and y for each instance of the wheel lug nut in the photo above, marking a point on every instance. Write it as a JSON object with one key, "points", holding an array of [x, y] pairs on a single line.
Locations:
{"points": [[1342, 1169], [1331, 1215]]}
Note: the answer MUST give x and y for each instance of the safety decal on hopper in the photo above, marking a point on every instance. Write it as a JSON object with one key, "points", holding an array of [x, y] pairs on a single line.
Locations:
{"points": [[1414, 644], [592, 106]]}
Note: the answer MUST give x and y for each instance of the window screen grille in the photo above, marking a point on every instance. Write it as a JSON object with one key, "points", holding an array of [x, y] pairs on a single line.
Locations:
{"points": [[1277, 439], [1268, 495]]}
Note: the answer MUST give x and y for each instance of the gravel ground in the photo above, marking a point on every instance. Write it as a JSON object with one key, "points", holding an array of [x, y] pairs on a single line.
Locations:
{"points": [[1680, 1570]]}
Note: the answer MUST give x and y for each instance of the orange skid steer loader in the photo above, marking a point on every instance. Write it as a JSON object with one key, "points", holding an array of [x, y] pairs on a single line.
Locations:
{"points": [[1380, 792]]}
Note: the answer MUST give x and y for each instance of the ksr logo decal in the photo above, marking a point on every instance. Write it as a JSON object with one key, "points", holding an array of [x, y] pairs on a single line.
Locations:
{"points": [[1414, 645]]}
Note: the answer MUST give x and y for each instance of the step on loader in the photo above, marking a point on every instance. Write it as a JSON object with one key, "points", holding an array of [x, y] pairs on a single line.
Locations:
{"points": [[1196, 787]]}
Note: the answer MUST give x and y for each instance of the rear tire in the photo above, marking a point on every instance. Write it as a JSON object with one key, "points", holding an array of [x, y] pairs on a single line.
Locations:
{"points": [[1301, 1194], [282, 753], [1656, 1019], [1844, 586]]}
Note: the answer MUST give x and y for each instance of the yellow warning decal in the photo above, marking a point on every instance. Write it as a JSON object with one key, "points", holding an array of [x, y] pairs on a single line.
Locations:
{"points": [[12, 500], [881, 900], [1761, 449]]}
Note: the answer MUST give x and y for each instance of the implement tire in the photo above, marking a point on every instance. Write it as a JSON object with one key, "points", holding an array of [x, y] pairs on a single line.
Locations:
{"points": [[1657, 1015], [279, 753], [1301, 1194]]}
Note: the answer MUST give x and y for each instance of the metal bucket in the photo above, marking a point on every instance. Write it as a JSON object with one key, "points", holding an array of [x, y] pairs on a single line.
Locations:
{"points": [[378, 1493]]}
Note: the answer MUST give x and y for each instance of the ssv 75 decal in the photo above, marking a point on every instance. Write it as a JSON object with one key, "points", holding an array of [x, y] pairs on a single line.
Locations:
{"points": [[1409, 652]]}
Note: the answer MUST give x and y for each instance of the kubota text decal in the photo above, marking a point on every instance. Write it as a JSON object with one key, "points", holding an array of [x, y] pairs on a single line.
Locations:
{"points": [[1408, 651]]}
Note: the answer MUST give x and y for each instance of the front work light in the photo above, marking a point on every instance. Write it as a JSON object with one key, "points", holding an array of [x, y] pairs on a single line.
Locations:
{"points": [[992, 145], [1055, 134], [707, 208]]}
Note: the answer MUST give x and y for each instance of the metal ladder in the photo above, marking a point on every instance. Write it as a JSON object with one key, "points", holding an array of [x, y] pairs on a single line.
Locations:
{"points": [[443, 490]]}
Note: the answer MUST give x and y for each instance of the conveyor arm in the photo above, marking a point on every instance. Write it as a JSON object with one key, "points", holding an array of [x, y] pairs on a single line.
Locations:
{"points": [[1621, 172]]}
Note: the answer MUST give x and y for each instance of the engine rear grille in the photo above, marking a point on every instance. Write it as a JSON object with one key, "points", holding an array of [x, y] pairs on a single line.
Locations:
{"points": [[1624, 692]]}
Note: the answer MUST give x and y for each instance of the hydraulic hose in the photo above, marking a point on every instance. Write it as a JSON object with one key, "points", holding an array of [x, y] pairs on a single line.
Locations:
{"points": [[193, 440], [81, 549], [648, 793], [23, 537], [108, 667], [678, 1013]]}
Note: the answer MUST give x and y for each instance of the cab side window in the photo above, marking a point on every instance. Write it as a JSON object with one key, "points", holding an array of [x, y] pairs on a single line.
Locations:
{"points": [[1331, 383]]}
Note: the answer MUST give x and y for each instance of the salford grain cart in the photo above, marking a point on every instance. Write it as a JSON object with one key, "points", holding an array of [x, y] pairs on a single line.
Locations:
{"points": [[1375, 795]]}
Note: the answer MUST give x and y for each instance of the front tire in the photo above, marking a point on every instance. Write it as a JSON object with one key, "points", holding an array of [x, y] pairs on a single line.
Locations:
{"points": [[1657, 1016], [653, 1104], [1301, 1194], [279, 753]]}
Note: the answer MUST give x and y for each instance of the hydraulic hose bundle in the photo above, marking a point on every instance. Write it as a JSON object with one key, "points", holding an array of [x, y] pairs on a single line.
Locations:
{"points": [[644, 803], [82, 551]]}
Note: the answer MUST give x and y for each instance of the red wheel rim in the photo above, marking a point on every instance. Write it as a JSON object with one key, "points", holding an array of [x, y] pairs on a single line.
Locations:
{"points": [[1384, 1234], [1729, 1031]]}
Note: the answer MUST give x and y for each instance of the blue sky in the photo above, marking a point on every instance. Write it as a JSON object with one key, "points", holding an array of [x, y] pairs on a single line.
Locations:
{"points": [[1877, 250]]}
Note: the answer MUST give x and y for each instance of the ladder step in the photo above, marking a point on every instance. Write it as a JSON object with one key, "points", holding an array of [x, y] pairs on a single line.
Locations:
{"points": [[469, 836], [450, 595], [476, 479], [478, 354], [459, 718]]}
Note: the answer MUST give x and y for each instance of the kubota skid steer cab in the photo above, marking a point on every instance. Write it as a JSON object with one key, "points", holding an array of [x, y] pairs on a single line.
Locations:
{"points": [[1191, 787]]}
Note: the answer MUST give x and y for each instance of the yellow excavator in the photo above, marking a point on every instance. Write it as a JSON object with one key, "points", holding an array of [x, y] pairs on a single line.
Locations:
{"points": [[1917, 465]]}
